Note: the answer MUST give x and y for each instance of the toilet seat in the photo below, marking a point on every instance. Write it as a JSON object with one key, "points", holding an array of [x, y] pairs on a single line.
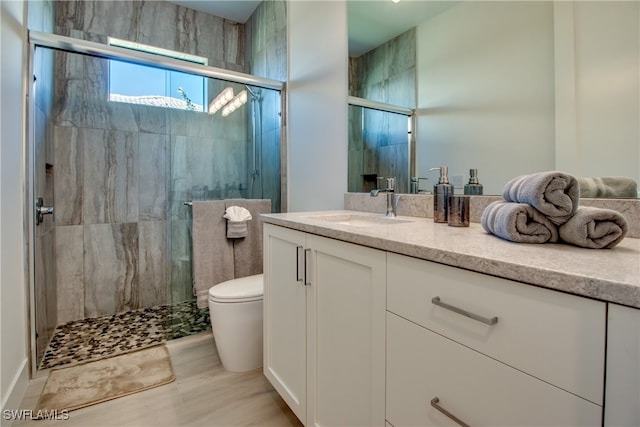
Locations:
{"points": [[244, 289]]}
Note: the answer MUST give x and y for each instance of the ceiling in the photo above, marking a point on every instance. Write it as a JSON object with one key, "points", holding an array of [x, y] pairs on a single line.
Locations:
{"points": [[374, 22], [234, 10], [371, 22]]}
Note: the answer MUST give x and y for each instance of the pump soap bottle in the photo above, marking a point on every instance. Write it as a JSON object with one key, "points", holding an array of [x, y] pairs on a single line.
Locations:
{"points": [[473, 187], [441, 192]]}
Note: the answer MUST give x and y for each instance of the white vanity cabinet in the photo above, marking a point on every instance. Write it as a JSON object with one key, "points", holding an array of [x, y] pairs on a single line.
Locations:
{"points": [[489, 351], [622, 407], [324, 327], [360, 336]]}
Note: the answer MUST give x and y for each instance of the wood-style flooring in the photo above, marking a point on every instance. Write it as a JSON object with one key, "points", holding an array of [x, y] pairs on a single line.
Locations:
{"points": [[203, 394]]}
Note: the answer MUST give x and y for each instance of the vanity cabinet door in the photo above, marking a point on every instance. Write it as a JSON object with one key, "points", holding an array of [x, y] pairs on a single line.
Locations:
{"points": [[622, 394], [285, 354], [478, 390], [346, 334], [324, 327]]}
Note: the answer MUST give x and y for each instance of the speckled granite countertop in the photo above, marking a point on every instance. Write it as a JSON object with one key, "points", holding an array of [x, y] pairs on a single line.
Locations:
{"points": [[611, 275]]}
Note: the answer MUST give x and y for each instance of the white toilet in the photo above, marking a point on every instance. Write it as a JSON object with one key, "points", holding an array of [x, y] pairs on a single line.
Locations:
{"points": [[235, 309]]}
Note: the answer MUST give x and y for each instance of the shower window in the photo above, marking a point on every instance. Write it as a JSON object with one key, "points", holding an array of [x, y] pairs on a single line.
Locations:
{"points": [[139, 84]]}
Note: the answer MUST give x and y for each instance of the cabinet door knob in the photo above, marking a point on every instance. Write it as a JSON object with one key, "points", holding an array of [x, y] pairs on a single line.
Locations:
{"points": [[488, 321], [434, 403]]}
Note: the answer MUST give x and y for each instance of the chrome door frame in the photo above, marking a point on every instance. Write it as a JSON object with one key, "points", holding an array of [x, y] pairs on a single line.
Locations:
{"points": [[69, 44]]}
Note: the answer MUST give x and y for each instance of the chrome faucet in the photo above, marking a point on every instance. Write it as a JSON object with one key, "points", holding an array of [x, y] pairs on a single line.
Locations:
{"points": [[392, 199]]}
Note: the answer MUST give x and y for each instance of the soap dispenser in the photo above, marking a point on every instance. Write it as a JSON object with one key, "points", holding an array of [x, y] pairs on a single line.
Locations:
{"points": [[441, 192], [473, 187]]}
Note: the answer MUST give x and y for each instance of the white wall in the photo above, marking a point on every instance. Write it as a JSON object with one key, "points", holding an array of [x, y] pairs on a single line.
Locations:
{"points": [[317, 104], [486, 91], [13, 290], [598, 88]]}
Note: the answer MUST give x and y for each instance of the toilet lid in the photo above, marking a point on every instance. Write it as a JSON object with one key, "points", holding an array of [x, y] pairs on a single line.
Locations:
{"points": [[247, 288]]}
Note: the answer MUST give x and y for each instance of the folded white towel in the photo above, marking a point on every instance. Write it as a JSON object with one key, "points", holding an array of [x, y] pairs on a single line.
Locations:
{"points": [[237, 213], [237, 218]]}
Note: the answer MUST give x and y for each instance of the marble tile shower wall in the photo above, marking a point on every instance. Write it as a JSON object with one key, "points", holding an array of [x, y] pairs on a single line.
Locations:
{"points": [[122, 170], [385, 74], [266, 56]]}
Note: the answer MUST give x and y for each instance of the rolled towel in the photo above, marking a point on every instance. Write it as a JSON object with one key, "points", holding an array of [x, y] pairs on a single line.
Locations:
{"points": [[518, 222], [554, 194], [594, 228], [618, 187]]}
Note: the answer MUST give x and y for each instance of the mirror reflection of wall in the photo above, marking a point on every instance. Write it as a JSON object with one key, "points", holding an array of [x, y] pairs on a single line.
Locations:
{"points": [[486, 91], [517, 87]]}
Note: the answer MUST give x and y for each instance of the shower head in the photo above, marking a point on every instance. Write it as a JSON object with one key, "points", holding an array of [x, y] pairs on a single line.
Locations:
{"points": [[256, 93]]}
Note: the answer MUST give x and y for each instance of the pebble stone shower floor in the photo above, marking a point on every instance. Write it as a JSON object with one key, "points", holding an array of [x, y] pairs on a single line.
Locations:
{"points": [[98, 337]]}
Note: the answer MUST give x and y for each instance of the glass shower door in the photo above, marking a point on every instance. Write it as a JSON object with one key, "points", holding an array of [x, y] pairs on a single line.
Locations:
{"points": [[380, 146], [42, 171], [116, 174]]}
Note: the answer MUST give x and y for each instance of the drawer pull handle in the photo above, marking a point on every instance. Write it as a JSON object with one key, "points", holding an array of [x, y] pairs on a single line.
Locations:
{"points": [[434, 403], [491, 321]]}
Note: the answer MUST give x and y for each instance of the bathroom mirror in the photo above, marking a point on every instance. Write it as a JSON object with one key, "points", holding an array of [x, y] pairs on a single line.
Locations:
{"points": [[508, 88]]}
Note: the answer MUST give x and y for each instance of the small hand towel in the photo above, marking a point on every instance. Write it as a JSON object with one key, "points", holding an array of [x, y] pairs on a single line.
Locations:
{"points": [[594, 228], [607, 187], [237, 217], [518, 222], [554, 194]]}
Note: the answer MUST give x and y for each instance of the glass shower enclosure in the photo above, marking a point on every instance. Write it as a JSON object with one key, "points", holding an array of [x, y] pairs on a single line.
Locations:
{"points": [[381, 145], [121, 142]]}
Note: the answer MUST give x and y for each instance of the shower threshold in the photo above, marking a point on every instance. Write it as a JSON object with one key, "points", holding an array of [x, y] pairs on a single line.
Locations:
{"points": [[99, 337]]}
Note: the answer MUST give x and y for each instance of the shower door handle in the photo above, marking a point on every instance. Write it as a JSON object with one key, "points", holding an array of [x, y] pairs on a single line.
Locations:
{"points": [[41, 210]]}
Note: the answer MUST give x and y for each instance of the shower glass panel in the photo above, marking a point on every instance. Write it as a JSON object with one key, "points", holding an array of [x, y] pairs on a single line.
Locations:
{"points": [[217, 155], [119, 170], [379, 146]]}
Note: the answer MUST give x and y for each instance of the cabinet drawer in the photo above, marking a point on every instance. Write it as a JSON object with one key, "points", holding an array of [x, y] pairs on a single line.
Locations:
{"points": [[422, 365], [553, 336]]}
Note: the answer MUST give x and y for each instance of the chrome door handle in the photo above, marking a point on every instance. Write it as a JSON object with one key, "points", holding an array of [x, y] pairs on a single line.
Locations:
{"points": [[486, 320], [298, 278], [434, 403], [306, 251], [41, 211]]}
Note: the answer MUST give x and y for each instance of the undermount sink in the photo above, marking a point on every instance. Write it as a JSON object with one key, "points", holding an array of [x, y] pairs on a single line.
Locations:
{"points": [[356, 220]]}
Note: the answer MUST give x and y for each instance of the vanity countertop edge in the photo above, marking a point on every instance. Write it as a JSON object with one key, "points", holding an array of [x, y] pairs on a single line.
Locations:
{"points": [[610, 275]]}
